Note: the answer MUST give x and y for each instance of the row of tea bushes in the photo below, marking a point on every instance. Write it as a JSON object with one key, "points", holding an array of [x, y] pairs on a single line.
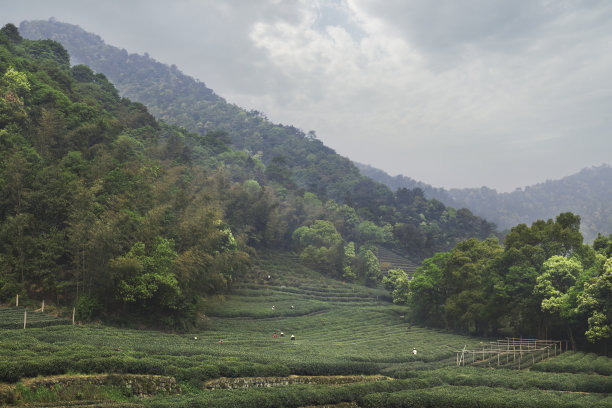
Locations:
{"points": [[577, 362], [476, 397]]}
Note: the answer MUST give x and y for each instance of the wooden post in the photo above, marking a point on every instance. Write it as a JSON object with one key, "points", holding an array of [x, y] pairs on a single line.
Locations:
{"points": [[73, 310], [17, 301], [25, 318], [43, 306]]}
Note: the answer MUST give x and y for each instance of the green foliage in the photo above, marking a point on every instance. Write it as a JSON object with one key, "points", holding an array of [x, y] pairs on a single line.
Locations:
{"points": [[398, 282], [87, 309], [543, 281], [577, 362], [320, 234], [97, 197], [425, 293], [142, 277], [596, 301], [321, 246], [369, 265], [558, 275]]}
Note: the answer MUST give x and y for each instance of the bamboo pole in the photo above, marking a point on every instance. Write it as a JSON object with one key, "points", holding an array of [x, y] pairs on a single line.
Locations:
{"points": [[17, 301], [25, 318]]}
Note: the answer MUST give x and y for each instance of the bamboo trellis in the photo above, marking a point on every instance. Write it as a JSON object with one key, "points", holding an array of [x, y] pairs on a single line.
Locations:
{"points": [[510, 350]]}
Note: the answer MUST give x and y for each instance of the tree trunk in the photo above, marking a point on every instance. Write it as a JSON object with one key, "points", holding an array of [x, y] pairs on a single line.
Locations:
{"points": [[571, 337]]}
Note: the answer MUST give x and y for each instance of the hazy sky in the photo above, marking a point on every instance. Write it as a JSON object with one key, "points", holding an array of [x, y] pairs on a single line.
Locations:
{"points": [[455, 93]]}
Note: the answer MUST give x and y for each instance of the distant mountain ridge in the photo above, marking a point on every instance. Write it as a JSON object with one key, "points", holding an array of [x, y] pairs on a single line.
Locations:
{"points": [[587, 193]]}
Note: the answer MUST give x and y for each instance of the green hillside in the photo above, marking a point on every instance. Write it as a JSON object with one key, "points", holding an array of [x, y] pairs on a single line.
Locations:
{"points": [[294, 160]]}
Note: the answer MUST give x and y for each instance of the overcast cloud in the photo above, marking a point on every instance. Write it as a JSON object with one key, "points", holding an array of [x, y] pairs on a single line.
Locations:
{"points": [[455, 93]]}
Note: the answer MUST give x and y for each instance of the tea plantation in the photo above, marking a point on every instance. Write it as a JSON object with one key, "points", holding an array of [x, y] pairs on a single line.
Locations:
{"points": [[343, 332]]}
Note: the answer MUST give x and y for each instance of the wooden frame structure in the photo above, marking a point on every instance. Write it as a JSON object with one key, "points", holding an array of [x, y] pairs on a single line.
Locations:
{"points": [[510, 351]]}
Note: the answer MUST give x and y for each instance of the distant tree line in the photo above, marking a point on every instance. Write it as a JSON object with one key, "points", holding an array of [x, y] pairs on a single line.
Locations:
{"points": [[587, 193]]}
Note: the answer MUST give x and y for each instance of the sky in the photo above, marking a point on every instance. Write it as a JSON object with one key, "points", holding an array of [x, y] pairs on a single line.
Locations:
{"points": [[454, 93]]}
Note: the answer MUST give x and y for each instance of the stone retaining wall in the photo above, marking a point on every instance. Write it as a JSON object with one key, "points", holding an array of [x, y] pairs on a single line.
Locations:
{"points": [[138, 385], [249, 382]]}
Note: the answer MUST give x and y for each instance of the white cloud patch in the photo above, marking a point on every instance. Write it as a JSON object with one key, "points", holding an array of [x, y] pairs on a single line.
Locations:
{"points": [[479, 91]]}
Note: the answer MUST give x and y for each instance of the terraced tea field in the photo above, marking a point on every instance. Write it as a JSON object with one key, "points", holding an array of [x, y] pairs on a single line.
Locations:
{"points": [[340, 329]]}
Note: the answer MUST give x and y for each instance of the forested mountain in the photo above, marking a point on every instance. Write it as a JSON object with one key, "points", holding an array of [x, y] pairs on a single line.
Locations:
{"points": [[293, 159], [127, 217], [184, 101], [587, 193]]}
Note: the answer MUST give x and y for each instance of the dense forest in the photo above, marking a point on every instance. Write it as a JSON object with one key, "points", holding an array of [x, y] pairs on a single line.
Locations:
{"points": [[587, 193], [544, 282], [105, 207], [294, 160]]}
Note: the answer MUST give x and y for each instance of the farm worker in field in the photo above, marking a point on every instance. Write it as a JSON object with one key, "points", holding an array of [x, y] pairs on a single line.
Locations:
{"points": [[414, 351], [292, 337], [221, 341], [292, 307], [274, 335], [273, 307], [282, 334]]}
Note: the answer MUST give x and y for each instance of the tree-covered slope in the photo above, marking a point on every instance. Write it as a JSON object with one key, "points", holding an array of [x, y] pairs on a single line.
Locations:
{"points": [[101, 206], [296, 163], [182, 100], [105, 208], [587, 193]]}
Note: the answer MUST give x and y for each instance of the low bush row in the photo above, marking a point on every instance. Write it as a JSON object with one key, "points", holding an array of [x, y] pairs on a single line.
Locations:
{"points": [[577, 362], [476, 397]]}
